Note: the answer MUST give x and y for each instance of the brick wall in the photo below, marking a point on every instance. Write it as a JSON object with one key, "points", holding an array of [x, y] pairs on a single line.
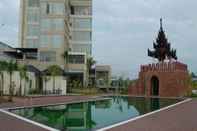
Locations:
{"points": [[173, 79]]}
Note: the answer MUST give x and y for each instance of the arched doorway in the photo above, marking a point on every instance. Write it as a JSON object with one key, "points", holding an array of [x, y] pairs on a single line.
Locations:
{"points": [[154, 86]]}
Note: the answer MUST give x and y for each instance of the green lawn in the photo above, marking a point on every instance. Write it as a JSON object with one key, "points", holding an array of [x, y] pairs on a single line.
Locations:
{"points": [[194, 95]]}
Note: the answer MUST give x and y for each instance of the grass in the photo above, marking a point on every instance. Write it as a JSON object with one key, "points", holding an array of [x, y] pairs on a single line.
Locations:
{"points": [[86, 91], [194, 95]]}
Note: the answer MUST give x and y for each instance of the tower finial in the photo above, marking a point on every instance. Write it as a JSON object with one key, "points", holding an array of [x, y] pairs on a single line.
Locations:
{"points": [[161, 26]]}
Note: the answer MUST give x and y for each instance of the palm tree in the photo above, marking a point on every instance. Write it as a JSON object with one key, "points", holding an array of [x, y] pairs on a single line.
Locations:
{"points": [[45, 78], [54, 71], [23, 75], [3, 66], [65, 55], [11, 67], [90, 62]]}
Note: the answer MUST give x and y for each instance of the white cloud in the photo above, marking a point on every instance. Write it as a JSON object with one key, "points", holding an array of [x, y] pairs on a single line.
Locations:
{"points": [[124, 29]]}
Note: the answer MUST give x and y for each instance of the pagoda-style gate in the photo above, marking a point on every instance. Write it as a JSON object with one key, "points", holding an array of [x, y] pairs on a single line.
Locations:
{"points": [[167, 77]]}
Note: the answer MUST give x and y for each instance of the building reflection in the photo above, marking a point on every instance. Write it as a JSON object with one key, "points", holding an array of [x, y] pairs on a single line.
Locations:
{"points": [[66, 117], [144, 105]]}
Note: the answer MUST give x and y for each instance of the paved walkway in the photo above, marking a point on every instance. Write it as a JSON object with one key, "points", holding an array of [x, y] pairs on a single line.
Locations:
{"points": [[180, 118]]}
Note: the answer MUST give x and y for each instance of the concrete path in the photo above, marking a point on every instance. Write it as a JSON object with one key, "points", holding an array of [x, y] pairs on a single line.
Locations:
{"points": [[179, 118]]}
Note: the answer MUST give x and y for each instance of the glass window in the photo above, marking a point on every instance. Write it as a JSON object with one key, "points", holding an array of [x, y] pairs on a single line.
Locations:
{"points": [[53, 8], [82, 23], [33, 3], [31, 55], [84, 48], [76, 59], [57, 41], [45, 41], [32, 43], [81, 36], [52, 24], [53, 41], [48, 56], [32, 30], [33, 15], [82, 10]]}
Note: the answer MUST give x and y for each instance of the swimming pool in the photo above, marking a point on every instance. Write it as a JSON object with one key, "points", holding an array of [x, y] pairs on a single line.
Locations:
{"points": [[94, 114]]}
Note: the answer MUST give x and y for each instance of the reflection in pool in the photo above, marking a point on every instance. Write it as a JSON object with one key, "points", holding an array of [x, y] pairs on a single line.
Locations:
{"points": [[95, 114]]}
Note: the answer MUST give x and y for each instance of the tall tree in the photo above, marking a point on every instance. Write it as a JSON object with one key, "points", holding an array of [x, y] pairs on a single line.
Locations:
{"points": [[3, 66], [65, 55], [45, 79], [90, 63], [11, 67], [23, 75], [54, 71]]}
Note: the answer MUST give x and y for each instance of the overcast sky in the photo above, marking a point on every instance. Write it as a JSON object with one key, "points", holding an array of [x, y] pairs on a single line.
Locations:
{"points": [[123, 30]]}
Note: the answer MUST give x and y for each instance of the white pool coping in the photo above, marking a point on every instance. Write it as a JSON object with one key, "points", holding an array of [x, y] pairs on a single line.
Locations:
{"points": [[55, 104], [6, 111], [28, 121], [142, 116]]}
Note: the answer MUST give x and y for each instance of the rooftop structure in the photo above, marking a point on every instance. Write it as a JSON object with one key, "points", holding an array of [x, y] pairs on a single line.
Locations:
{"points": [[162, 48]]}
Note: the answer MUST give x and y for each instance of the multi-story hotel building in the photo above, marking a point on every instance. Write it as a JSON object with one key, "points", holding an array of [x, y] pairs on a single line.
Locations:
{"points": [[61, 30]]}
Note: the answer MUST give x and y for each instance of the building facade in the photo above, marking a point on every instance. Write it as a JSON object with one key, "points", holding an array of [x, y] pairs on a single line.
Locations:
{"points": [[61, 30]]}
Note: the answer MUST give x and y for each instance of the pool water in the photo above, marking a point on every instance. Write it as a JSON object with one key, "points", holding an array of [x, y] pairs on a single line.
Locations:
{"points": [[95, 114]]}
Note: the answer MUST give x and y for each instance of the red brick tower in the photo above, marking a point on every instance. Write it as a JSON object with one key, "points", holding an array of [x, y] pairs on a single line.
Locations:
{"points": [[164, 79]]}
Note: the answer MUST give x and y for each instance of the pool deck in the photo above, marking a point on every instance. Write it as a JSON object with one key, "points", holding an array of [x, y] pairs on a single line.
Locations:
{"points": [[179, 118], [10, 123]]}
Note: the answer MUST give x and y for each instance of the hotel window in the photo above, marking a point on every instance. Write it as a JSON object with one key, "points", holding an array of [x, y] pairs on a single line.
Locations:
{"points": [[32, 30], [32, 43], [84, 48], [80, 23], [33, 15], [57, 41], [48, 56], [82, 10], [81, 36], [52, 24], [53, 41], [45, 41], [53, 8], [33, 3], [76, 59]]}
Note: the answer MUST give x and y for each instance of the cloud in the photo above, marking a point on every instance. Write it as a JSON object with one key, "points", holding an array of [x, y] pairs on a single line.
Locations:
{"points": [[9, 15], [123, 30]]}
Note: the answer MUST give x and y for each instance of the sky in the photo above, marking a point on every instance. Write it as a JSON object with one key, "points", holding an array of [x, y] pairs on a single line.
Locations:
{"points": [[123, 30]]}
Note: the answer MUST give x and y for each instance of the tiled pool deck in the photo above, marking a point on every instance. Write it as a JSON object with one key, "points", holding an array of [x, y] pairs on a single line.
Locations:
{"points": [[182, 117]]}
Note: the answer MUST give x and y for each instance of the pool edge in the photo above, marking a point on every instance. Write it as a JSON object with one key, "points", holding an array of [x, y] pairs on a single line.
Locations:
{"points": [[7, 111], [142, 116], [28, 121]]}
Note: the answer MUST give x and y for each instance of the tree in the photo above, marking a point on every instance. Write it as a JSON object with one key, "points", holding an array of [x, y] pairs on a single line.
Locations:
{"points": [[3, 66], [54, 71], [90, 62], [11, 67], [45, 78], [65, 55], [23, 75]]}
